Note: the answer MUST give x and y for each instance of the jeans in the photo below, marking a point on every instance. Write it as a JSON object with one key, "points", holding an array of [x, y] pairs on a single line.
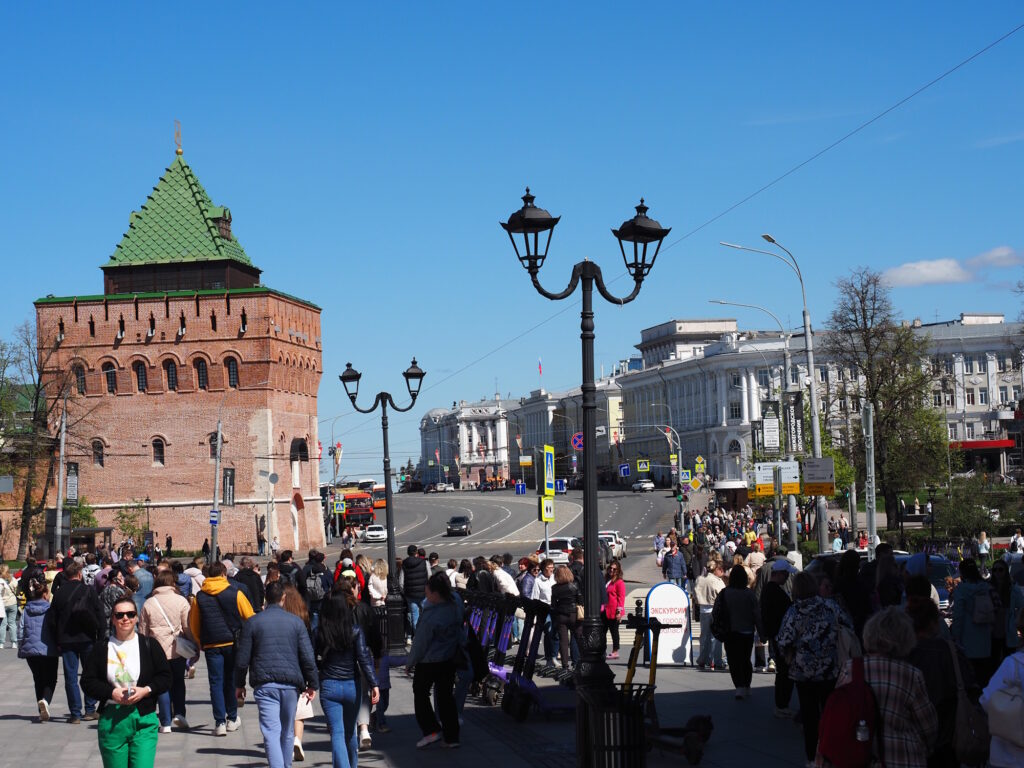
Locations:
{"points": [[680, 582], [414, 614], [220, 668], [737, 651], [439, 675], [813, 694], [340, 702], [710, 648], [9, 624], [71, 659], [172, 703], [382, 707], [277, 722]]}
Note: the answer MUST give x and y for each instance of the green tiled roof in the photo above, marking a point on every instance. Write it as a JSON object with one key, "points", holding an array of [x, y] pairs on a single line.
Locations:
{"points": [[176, 224]]}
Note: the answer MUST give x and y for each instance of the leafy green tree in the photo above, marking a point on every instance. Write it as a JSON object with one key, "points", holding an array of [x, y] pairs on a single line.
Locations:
{"points": [[967, 511], [128, 521], [885, 360], [83, 516]]}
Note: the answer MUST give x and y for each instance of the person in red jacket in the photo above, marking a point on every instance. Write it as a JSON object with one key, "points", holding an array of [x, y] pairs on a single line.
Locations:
{"points": [[614, 607]]}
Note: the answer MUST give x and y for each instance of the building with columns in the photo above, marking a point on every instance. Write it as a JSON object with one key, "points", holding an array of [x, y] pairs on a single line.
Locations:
{"points": [[470, 439], [185, 335]]}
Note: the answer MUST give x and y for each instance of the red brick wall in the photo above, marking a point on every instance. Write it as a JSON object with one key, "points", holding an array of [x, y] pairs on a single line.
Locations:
{"points": [[279, 373]]}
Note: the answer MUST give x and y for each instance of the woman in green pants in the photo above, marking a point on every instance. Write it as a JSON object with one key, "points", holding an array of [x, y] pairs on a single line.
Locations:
{"points": [[126, 675]]}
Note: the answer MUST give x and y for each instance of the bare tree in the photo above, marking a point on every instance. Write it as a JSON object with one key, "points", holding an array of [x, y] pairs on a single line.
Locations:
{"points": [[886, 363]]}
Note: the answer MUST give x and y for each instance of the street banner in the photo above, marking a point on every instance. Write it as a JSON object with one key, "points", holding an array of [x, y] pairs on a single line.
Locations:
{"points": [[770, 426], [756, 436], [794, 414], [670, 605], [72, 484]]}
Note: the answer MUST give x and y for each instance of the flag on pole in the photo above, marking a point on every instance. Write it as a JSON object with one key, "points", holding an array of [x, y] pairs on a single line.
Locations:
{"points": [[540, 368]]}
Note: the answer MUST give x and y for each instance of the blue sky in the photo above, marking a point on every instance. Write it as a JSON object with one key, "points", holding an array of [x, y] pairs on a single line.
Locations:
{"points": [[368, 151]]}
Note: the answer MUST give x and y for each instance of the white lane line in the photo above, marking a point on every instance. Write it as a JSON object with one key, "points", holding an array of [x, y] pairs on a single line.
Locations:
{"points": [[445, 534], [508, 514]]}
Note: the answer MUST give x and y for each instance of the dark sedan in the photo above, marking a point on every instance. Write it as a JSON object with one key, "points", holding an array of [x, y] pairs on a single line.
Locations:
{"points": [[459, 526]]}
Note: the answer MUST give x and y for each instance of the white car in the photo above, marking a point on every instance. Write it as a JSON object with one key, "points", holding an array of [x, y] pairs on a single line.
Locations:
{"points": [[616, 543], [445, 488], [375, 533], [559, 549], [641, 486]]}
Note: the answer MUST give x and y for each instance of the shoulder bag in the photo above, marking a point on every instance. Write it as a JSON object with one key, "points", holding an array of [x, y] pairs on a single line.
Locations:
{"points": [[1006, 710], [970, 729], [184, 647]]}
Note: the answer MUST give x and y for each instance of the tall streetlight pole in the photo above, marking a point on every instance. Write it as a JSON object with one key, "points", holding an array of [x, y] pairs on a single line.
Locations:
{"points": [[395, 604], [529, 222], [792, 263], [678, 444]]}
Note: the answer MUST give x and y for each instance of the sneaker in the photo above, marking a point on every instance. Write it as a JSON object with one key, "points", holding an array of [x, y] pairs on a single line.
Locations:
{"points": [[88, 716], [191, 673], [44, 711], [365, 742], [14, 646], [783, 713], [613, 655], [427, 740], [165, 729], [771, 665], [234, 725], [450, 744], [74, 720], [298, 753], [221, 729], [179, 722]]}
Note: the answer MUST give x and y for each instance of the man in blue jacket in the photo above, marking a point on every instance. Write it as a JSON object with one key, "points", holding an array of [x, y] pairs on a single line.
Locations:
{"points": [[277, 654], [673, 566]]}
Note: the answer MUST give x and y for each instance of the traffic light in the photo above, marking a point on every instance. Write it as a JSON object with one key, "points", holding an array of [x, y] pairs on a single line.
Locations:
{"points": [[401, 478]]}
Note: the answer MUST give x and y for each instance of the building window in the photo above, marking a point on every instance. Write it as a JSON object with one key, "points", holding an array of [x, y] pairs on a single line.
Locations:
{"points": [[937, 398], [1003, 394], [213, 321], [79, 373], [982, 363], [794, 374], [1002, 363], [232, 365], [736, 381], [822, 373], [968, 431], [970, 395], [947, 365], [111, 376], [92, 327], [735, 411], [171, 372], [1016, 394], [983, 396], [201, 378], [856, 404], [968, 364], [213, 446], [158, 452], [97, 453], [140, 376], [951, 428], [764, 379]]}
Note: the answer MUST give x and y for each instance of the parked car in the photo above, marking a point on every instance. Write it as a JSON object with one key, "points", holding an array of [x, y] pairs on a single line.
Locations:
{"points": [[485, 486], [641, 486], [559, 548], [459, 526], [615, 541], [375, 533], [445, 488]]}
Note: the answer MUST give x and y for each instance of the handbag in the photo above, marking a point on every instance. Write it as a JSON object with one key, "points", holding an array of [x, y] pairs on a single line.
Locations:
{"points": [[579, 612], [1005, 711], [847, 645], [970, 729], [183, 647]]}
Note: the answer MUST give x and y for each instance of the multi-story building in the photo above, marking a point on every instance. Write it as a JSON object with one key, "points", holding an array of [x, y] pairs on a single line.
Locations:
{"points": [[185, 335], [470, 439]]}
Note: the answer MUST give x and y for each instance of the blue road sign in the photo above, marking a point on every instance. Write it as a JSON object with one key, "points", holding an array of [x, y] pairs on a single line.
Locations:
{"points": [[520, 489], [559, 485], [623, 470], [214, 516], [577, 441], [684, 476]]}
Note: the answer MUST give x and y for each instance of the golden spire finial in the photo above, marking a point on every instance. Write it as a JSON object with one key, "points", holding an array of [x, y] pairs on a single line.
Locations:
{"points": [[177, 137]]}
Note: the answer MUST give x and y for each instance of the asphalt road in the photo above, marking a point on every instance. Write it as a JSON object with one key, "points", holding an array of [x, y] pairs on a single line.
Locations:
{"points": [[503, 522]]}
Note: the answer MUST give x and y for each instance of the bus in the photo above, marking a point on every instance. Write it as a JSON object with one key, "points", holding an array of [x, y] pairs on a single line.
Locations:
{"points": [[367, 484], [359, 508], [380, 496]]}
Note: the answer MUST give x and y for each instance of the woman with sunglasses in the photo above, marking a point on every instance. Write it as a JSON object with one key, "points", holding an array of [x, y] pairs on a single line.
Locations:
{"points": [[126, 675], [615, 605]]}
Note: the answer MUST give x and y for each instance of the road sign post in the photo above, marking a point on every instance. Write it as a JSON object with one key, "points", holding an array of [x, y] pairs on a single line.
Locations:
{"points": [[623, 470]]}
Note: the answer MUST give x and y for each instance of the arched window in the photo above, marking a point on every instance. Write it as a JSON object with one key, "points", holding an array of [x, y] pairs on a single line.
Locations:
{"points": [[232, 366], [97, 453], [79, 373], [158, 451], [111, 376], [734, 447], [171, 372], [201, 377], [140, 376], [213, 445]]}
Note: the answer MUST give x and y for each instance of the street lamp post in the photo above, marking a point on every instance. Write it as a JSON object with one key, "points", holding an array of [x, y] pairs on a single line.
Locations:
{"points": [[395, 604], [792, 263], [148, 529], [529, 223]]}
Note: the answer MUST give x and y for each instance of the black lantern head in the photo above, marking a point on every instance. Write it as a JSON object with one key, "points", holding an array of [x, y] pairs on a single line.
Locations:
{"points": [[531, 222], [641, 231], [350, 380], [414, 379]]}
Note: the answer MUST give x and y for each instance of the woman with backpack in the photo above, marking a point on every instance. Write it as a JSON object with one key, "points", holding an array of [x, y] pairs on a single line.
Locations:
{"points": [[1007, 747], [808, 640], [164, 618], [37, 645], [974, 615]]}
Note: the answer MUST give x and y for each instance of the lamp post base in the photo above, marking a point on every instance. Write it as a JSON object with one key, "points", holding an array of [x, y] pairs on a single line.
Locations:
{"points": [[594, 681], [394, 605]]}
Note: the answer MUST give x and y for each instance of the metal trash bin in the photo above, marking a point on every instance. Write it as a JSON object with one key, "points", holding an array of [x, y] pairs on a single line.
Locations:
{"points": [[613, 723]]}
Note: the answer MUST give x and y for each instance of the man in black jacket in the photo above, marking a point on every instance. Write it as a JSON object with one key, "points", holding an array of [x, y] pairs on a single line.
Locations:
{"points": [[315, 583], [250, 579], [414, 581], [276, 652], [76, 622]]}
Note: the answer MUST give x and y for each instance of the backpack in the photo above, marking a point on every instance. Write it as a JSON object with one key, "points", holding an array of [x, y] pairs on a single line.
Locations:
{"points": [[850, 724], [315, 587], [983, 610]]}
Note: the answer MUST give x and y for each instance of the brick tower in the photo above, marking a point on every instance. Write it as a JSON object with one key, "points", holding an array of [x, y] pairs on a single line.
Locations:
{"points": [[183, 334]]}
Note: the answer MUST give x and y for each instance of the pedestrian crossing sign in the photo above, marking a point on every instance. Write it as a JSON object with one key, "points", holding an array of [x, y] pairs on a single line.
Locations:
{"points": [[643, 465], [339, 507], [684, 476]]}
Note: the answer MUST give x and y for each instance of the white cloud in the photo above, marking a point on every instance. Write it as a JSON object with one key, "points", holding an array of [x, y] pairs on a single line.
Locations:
{"points": [[928, 272], [999, 141], [1001, 256]]}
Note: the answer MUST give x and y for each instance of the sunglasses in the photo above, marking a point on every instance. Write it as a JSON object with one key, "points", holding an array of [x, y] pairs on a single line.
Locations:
{"points": [[124, 615]]}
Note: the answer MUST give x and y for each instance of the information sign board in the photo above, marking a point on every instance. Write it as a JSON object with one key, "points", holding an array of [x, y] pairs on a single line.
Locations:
{"points": [[546, 509], [819, 477]]}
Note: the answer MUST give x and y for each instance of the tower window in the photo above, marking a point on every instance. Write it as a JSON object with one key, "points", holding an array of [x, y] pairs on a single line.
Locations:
{"points": [[97, 453], [232, 367], [158, 451], [213, 445], [213, 321], [202, 380], [79, 373], [110, 374], [171, 371], [140, 376], [92, 327]]}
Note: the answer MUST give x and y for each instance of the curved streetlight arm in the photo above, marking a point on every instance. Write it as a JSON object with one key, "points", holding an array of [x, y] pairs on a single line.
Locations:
{"points": [[385, 399], [768, 312], [791, 264], [586, 270]]}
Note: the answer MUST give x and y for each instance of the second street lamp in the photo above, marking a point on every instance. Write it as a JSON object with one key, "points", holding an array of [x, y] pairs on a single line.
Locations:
{"points": [[395, 603], [527, 227]]}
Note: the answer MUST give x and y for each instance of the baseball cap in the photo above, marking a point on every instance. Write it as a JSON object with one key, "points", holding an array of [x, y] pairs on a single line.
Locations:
{"points": [[143, 558], [347, 561]]}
